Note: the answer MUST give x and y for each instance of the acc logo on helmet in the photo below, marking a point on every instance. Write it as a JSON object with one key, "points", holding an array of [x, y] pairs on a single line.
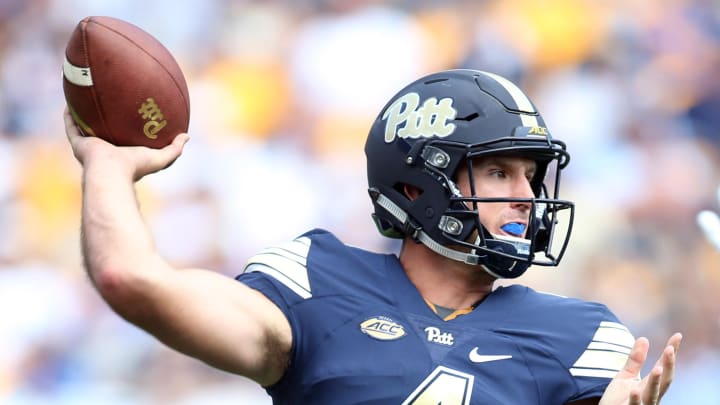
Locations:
{"points": [[430, 119]]}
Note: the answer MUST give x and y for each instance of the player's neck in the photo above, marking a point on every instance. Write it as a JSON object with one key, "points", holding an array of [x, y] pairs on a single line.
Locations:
{"points": [[444, 281]]}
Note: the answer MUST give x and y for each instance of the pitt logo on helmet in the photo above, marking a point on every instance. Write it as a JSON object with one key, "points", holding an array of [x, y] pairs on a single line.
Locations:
{"points": [[430, 119], [382, 328]]}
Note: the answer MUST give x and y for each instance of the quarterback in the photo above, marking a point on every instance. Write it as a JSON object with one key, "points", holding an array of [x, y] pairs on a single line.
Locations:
{"points": [[463, 169]]}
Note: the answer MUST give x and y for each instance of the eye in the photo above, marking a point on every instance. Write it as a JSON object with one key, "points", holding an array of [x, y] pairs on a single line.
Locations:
{"points": [[498, 173]]}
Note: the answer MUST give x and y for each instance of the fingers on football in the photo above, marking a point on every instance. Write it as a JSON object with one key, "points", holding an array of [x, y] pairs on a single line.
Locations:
{"points": [[71, 130], [172, 151], [175, 148]]}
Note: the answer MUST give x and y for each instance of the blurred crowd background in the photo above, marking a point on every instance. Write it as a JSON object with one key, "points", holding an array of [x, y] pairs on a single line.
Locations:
{"points": [[282, 96]]}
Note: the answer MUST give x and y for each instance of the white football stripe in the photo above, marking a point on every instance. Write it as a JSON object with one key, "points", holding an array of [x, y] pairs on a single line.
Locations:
{"points": [[287, 263], [80, 76]]}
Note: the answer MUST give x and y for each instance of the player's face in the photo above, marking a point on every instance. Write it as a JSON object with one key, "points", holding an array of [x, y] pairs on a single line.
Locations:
{"points": [[502, 177]]}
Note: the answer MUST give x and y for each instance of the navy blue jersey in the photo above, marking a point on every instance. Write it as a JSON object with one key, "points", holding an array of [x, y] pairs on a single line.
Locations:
{"points": [[362, 333]]}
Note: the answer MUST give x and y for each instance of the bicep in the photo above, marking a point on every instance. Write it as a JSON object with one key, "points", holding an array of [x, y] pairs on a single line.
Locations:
{"points": [[220, 321]]}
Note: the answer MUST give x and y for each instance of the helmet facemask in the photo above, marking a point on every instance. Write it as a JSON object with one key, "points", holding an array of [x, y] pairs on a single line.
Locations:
{"points": [[548, 222]]}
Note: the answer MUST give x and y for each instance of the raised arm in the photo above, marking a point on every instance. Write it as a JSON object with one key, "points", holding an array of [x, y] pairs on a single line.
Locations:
{"points": [[197, 312]]}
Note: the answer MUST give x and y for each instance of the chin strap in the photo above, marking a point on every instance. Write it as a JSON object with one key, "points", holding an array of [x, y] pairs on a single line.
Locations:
{"points": [[499, 243], [447, 252], [423, 237]]}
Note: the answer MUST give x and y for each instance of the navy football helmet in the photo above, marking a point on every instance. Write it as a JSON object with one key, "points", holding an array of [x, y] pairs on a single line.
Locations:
{"points": [[440, 123]]}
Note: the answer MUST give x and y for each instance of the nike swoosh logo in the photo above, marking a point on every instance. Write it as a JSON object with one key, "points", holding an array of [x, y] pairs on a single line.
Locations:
{"points": [[475, 357]]}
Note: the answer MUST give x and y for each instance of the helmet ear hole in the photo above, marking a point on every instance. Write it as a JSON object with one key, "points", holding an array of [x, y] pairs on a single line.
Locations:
{"points": [[409, 191]]}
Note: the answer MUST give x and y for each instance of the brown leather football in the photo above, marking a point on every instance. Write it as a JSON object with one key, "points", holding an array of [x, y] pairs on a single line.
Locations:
{"points": [[122, 85]]}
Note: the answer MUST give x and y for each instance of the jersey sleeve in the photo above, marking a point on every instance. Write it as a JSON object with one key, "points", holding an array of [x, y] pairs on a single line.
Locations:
{"points": [[606, 353], [319, 284], [592, 345], [573, 347], [281, 273]]}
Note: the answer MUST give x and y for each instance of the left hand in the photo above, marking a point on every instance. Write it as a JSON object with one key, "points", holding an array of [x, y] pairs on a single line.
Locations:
{"points": [[628, 389]]}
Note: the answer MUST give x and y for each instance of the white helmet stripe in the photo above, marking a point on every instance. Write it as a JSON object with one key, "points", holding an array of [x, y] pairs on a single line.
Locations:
{"points": [[529, 120], [521, 100]]}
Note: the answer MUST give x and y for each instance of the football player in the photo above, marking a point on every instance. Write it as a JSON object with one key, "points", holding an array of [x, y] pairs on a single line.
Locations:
{"points": [[463, 169]]}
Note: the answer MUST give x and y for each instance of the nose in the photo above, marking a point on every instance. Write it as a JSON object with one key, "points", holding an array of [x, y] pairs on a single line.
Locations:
{"points": [[522, 189]]}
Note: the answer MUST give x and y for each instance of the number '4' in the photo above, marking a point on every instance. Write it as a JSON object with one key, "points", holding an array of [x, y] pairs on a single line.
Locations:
{"points": [[444, 386]]}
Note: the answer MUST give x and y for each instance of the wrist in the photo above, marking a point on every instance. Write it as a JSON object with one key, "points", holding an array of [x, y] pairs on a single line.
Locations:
{"points": [[108, 169]]}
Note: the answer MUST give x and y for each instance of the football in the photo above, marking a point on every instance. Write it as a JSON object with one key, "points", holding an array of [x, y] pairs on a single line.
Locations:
{"points": [[122, 85]]}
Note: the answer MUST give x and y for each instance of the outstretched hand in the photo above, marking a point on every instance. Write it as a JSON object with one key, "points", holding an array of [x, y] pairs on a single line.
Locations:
{"points": [[628, 389], [137, 161]]}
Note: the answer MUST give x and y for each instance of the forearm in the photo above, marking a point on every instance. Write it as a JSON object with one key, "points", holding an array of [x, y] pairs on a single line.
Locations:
{"points": [[197, 312], [118, 249]]}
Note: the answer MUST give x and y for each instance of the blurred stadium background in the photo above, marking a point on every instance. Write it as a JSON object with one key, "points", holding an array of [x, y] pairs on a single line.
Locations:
{"points": [[282, 94]]}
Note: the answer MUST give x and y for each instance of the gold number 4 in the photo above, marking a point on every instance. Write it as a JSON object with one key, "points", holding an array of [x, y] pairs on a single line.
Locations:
{"points": [[444, 386]]}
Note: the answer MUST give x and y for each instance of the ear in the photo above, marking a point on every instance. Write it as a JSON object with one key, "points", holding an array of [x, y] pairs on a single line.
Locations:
{"points": [[411, 192]]}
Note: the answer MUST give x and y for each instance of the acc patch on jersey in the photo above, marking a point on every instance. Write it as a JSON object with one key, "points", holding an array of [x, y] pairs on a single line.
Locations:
{"points": [[382, 328]]}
